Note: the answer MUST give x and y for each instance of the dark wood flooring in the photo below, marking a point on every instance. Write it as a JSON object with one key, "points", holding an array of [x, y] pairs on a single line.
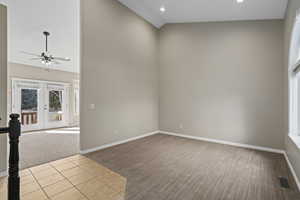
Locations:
{"points": [[162, 167]]}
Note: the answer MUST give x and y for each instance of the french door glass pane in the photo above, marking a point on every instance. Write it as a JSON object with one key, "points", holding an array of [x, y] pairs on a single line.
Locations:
{"points": [[29, 106], [55, 105]]}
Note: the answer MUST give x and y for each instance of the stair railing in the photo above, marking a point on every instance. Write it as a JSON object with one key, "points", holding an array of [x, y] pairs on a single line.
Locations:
{"points": [[14, 132]]}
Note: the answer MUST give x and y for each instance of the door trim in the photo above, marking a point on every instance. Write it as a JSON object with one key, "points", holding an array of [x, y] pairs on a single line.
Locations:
{"points": [[3, 85], [65, 106], [40, 81], [42, 86]]}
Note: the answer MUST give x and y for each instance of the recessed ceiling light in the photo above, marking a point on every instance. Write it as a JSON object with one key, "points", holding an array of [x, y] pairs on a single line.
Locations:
{"points": [[240, 1], [162, 9]]}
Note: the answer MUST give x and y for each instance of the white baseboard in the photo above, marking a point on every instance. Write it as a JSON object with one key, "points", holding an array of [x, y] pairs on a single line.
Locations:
{"points": [[292, 170], [3, 174], [226, 142], [185, 136], [117, 143], [243, 146], [195, 138]]}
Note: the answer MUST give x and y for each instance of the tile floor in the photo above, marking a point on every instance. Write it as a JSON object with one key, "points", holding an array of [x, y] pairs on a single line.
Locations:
{"points": [[72, 178]]}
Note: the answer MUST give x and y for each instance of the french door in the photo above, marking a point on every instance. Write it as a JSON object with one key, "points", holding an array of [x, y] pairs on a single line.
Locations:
{"points": [[41, 104], [27, 102], [55, 106]]}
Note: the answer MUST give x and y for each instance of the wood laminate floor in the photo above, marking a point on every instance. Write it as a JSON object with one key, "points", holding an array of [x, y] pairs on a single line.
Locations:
{"points": [[162, 167]]}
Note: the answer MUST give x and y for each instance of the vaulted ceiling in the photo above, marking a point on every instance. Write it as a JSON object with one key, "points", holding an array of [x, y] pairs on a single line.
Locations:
{"points": [[27, 19], [180, 11]]}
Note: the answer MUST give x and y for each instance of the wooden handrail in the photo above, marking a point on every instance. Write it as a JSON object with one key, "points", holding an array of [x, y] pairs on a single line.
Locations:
{"points": [[3, 130]]}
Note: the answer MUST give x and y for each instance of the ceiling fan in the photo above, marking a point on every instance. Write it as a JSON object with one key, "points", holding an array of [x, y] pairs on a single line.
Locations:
{"points": [[45, 57]]}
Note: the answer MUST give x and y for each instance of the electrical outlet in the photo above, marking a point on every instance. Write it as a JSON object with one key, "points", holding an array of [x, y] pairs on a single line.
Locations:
{"points": [[181, 126]]}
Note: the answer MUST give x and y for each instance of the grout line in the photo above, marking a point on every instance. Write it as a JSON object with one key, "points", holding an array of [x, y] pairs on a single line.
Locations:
{"points": [[52, 183], [85, 181], [99, 176], [67, 179], [74, 186], [39, 184], [96, 177]]}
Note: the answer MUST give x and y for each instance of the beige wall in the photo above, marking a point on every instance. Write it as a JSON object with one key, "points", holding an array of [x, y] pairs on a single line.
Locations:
{"points": [[118, 75], [235, 93], [223, 81], [36, 73], [293, 151], [3, 85]]}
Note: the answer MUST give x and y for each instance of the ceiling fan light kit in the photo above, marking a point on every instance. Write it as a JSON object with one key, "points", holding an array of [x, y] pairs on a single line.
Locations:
{"points": [[45, 57]]}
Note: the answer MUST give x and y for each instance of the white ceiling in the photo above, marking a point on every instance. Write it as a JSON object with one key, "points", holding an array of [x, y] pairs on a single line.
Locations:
{"points": [[27, 19], [180, 11]]}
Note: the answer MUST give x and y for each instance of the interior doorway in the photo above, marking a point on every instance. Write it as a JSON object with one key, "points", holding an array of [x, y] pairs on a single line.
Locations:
{"points": [[43, 79], [41, 104]]}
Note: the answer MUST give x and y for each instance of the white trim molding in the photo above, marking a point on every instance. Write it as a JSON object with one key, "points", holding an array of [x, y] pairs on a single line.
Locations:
{"points": [[145, 12], [105, 146], [3, 173], [243, 146], [295, 139], [16, 79], [247, 146], [292, 170], [280, 151]]}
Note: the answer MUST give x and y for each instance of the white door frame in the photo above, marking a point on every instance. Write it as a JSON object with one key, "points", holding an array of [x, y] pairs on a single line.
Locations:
{"points": [[17, 86], [65, 106], [3, 88], [43, 107]]}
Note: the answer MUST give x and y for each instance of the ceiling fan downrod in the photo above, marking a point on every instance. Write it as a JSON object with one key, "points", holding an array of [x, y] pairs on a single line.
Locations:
{"points": [[46, 33]]}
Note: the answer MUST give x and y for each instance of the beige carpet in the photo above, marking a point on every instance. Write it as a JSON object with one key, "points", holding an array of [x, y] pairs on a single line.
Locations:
{"points": [[45, 146]]}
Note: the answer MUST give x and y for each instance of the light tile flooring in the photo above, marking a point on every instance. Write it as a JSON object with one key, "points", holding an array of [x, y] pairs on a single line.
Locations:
{"points": [[72, 178]]}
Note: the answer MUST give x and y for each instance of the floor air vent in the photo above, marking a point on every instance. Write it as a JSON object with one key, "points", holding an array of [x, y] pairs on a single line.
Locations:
{"points": [[284, 182]]}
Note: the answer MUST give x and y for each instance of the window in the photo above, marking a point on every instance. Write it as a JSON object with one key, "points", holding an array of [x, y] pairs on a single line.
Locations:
{"points": [[294, 81], [55, 105], [29, 106], [55, 100]]}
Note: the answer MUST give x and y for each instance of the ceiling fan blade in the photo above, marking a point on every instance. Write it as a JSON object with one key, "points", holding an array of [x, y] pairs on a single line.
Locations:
{"points": [[55, 62], [61, 59], [31, 54], [35, 59]]}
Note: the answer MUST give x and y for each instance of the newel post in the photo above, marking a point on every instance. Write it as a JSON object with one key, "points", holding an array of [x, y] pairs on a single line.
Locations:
{"points": [[14, 131]]}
